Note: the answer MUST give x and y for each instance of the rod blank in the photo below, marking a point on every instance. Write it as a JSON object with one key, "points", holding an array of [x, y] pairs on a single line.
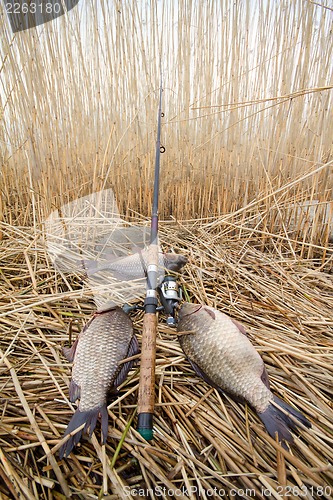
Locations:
{"points": [[146, 398]]}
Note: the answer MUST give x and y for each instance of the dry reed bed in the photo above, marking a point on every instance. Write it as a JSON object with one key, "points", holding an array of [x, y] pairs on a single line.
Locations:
{"points": [[247, 100], [202, 441]]}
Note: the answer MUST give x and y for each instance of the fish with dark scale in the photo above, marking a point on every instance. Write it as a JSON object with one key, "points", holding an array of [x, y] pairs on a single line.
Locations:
{"points": [[97, 355], [221, 353]]}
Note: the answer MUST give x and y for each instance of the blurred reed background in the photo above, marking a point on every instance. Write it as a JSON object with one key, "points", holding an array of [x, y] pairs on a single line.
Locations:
{"points": [[247, 103]]}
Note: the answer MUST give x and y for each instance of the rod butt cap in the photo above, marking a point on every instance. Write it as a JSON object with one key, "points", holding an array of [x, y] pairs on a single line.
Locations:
{"points": [[145, 426]]}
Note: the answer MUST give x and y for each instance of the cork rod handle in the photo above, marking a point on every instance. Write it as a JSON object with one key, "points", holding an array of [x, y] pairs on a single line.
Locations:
{"points": [[146, 399]]}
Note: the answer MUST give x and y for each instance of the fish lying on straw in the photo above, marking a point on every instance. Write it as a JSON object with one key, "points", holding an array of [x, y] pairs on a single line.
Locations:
{"points": [[106, 340], [135, 266], [221, 353]]}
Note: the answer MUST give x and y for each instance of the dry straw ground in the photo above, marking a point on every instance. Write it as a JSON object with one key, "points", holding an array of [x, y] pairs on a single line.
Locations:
{"points": [[248, 137], [202, 441]]}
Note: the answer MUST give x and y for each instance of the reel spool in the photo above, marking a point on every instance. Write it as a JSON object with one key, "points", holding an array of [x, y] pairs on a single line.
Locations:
{"points": [[170, 295]]}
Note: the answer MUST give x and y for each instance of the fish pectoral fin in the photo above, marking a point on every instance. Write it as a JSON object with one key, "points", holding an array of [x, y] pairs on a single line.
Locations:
{"points": [[211, 313], [264, 377], [125, 367]]}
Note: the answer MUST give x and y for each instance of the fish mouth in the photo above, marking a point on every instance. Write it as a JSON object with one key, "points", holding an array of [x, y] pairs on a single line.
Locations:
{"points": [[174, 262]]}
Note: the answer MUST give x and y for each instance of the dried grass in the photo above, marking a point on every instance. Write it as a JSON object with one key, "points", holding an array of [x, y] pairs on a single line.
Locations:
{"points": [[202, 441], [248, 137]]}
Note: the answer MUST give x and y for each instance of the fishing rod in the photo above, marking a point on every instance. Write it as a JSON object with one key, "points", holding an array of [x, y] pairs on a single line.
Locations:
{"points": [[146, 397]]}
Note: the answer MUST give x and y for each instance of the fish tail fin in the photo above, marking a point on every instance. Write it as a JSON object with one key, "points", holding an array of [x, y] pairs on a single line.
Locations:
{"points": [[104, 422], [89, 419], [276, 420]]}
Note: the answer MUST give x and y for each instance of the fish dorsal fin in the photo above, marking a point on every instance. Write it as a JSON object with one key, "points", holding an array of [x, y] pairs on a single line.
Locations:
{"points": [[112, 258], [133, 349], [210, 312]]}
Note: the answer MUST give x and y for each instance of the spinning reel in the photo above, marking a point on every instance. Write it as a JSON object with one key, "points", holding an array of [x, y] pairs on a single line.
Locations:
{"points": [[170, 294]]}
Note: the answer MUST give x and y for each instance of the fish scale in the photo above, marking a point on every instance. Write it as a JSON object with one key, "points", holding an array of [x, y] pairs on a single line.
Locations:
{"points": [[221, 353], [210, 350], [109, 346], [134, 266], [105, 341]]}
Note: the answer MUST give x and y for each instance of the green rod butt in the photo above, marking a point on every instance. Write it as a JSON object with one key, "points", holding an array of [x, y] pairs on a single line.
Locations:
{"points": [[145, 426]]}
